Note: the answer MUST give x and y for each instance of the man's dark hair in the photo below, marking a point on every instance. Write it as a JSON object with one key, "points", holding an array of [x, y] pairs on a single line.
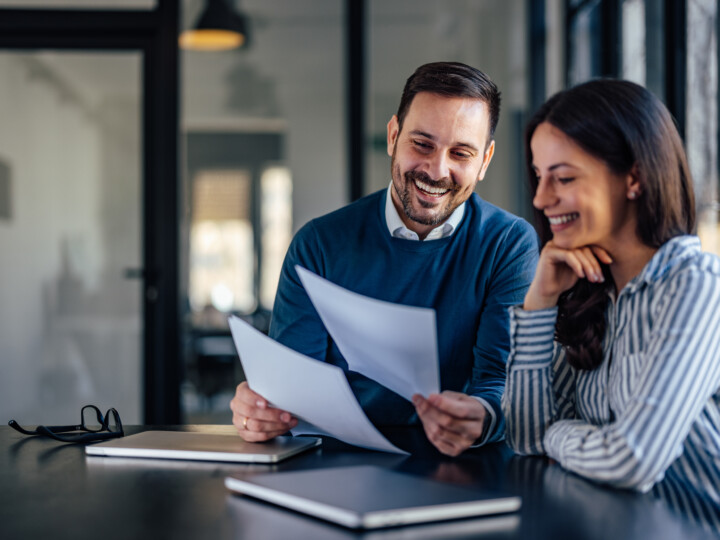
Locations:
{"points": [[451, 79]]}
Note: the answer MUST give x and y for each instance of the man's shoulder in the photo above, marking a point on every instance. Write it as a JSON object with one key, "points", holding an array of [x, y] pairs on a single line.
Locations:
{"points": [[348, 214], [349, 222]]}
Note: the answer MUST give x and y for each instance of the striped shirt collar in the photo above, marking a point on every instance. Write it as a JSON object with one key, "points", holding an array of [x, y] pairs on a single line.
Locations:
{"points": [[671, 254], [398, 229]]}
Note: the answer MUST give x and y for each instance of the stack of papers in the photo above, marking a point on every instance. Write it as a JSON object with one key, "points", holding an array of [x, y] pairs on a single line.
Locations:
{"points": [[392, 344]]}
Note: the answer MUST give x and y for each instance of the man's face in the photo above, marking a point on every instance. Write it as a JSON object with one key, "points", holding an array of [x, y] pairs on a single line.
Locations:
{"points": [[437, 158]]}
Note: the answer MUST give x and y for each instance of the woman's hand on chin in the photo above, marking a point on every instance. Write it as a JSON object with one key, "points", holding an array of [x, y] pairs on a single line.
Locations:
{"points": [[559, 270]]}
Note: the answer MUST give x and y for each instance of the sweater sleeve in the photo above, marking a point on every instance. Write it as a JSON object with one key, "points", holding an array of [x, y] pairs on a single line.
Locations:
{"points": [[512, 274], [540, 384], [681, 373], [295, 322]]}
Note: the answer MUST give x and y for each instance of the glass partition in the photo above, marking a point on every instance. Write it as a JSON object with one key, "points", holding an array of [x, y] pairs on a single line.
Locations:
{"points": [[70, 234]]}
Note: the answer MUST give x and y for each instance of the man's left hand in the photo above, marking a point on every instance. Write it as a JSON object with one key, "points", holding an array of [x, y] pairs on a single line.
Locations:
{"points": [[453, 422]]}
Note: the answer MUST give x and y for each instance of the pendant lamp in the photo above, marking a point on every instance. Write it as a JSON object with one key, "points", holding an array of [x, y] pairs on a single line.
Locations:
{"points": [[218, 28]]}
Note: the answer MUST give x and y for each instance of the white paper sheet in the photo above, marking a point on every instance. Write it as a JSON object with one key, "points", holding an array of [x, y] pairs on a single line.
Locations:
{"points": [[315, 392], [392, 344]]}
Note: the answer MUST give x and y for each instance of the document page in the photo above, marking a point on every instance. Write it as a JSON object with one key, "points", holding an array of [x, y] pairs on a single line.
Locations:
{"points": [[315, 392], [393, 344]]}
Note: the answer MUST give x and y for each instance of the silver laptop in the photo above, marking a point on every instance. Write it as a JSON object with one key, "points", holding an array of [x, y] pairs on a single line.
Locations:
{"points": [[368, 497], [202, 446]]}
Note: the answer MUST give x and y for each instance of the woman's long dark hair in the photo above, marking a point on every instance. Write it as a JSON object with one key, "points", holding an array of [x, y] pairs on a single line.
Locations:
{"points": [[626, 126]]}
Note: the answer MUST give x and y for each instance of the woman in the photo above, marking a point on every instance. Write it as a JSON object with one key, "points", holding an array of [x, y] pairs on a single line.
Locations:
{"points": [[615, 363]]}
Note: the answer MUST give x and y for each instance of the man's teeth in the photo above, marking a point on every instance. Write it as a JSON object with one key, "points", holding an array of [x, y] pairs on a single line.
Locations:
{"points": [[429, 189], [559, 220]]}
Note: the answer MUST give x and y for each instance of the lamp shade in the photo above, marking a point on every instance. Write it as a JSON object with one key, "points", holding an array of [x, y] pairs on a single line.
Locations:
{"points": [[219, 28]]}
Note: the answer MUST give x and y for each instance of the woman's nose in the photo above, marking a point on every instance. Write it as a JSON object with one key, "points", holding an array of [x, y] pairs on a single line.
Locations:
{"points": [[544, 194]]}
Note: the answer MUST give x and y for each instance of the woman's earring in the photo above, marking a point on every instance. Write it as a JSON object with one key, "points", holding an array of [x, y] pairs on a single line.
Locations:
{"points": [[632, 195]]}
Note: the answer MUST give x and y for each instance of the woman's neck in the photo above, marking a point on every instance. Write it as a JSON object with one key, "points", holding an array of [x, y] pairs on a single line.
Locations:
{"points": [[628, 262]]}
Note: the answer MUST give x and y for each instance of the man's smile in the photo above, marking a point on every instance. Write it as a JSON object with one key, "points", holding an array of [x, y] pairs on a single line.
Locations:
{"points": [[428, 187], [430, 190]]}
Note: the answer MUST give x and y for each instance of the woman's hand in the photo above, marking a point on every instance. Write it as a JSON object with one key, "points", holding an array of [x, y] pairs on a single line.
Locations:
{"points": [[559, 270]]}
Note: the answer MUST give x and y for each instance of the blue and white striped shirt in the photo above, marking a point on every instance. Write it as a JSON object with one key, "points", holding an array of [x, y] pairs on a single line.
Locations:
{"points": [[654, 402]]}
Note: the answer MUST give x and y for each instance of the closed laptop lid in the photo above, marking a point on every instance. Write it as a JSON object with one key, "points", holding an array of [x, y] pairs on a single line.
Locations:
{"points": [[370, 497], [201, 446]]}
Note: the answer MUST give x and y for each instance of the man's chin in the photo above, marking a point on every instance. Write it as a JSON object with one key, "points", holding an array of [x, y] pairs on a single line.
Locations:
{"points": [[427, 220], [430, 215]]}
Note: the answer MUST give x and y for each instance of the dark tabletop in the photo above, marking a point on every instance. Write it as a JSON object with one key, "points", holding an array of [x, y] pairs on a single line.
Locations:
{"points": [[53, 490]]}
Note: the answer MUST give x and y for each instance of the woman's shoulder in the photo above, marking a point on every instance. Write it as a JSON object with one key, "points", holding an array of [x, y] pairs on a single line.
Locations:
{"points": [[692, 259], [689, 274], [680, 256]]}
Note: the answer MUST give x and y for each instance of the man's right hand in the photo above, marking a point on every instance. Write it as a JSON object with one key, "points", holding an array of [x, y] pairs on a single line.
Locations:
{"points": [[255, 419]]}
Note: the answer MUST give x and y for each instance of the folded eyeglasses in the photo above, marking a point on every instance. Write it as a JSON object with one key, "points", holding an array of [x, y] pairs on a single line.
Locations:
{"points": [[93, 427]]}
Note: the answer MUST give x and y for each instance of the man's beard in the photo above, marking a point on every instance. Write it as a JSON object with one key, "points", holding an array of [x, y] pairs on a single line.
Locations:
{"points": [[403, 192]]}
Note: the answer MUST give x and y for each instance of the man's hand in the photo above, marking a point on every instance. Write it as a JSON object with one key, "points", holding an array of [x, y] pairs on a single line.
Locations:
{"points": [[255, 419], [452, 421]]}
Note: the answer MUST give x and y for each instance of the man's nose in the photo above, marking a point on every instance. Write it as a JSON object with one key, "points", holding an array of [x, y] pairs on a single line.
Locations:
{"points": [[545, 196], [438, 166]]}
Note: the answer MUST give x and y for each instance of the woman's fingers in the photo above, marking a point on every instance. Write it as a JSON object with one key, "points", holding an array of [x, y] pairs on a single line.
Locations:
{"points": [[602, 255], [559, 269], [563, 257], [590, 264], [584, 261]]}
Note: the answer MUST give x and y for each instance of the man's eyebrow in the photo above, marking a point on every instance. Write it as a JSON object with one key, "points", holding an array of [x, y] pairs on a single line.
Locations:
{"points": [[420, 133], [423, 134]]}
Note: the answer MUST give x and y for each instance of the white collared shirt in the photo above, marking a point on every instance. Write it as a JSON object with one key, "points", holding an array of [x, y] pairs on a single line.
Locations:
{"points": [[398, 229]]}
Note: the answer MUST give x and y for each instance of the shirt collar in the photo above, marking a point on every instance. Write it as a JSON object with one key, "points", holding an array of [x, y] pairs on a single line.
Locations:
{"points": [[398, 229]]}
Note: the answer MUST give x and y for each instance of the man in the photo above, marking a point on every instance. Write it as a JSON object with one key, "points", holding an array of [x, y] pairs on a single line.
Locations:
{"points": [[426, 241]]}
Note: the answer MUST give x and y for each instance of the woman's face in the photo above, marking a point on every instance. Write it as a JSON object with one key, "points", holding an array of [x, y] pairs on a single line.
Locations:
{"points": [[584, 201]]}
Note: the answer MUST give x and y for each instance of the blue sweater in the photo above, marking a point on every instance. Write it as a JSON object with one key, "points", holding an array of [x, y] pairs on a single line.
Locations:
{"points": [[470, 278]]}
